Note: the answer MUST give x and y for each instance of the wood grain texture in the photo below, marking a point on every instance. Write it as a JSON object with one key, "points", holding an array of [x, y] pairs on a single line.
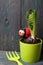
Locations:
{"points": [[14, 11], [10, 10]]}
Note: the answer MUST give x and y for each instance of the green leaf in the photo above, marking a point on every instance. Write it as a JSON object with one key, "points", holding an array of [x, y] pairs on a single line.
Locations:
{"points": [[31, 21]]}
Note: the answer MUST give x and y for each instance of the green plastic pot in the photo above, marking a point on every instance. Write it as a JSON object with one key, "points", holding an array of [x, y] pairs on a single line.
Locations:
{"points": [[30, 52]]}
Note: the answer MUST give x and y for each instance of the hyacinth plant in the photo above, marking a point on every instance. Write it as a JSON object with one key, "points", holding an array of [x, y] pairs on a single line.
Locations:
{"points": [[31, 21]]}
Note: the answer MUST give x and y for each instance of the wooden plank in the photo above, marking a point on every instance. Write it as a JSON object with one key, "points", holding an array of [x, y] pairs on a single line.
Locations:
{"points": [[10, 10]]}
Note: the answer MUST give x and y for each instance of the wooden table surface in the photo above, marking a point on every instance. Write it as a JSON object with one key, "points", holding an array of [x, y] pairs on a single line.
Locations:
{"points": [[5, 61]]}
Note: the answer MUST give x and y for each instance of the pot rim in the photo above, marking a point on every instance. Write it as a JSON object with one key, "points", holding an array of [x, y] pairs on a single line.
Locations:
{"points": [[31, 44]]}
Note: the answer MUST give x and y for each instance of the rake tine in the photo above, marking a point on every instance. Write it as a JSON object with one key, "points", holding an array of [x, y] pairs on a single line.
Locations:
{"points": [[10, 55], [7, 55], [17, 54], [13, 54]]}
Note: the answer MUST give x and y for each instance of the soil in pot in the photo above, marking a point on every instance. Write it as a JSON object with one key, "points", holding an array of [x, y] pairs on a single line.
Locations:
{"points": [[30, 41]]}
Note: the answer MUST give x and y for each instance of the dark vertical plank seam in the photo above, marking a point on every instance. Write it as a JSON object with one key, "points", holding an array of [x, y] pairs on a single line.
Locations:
{"points": [[20, 13]]}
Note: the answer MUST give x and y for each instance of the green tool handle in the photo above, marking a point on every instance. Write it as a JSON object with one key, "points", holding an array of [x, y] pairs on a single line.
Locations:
{"points": [[19, 63]]}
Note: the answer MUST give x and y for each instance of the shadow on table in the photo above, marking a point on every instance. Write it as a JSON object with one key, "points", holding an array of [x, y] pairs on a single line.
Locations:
{"points": [[41, 58]]}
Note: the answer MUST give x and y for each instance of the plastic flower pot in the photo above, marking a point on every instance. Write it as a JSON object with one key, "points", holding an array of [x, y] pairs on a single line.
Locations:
{"points": [[30, 52]]}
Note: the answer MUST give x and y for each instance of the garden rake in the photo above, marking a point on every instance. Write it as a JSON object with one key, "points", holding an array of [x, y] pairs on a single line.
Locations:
{"points": [[13, 57]]}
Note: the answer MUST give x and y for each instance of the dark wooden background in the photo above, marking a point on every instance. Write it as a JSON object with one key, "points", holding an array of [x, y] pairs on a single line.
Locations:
{"points": [[14, 11]]}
